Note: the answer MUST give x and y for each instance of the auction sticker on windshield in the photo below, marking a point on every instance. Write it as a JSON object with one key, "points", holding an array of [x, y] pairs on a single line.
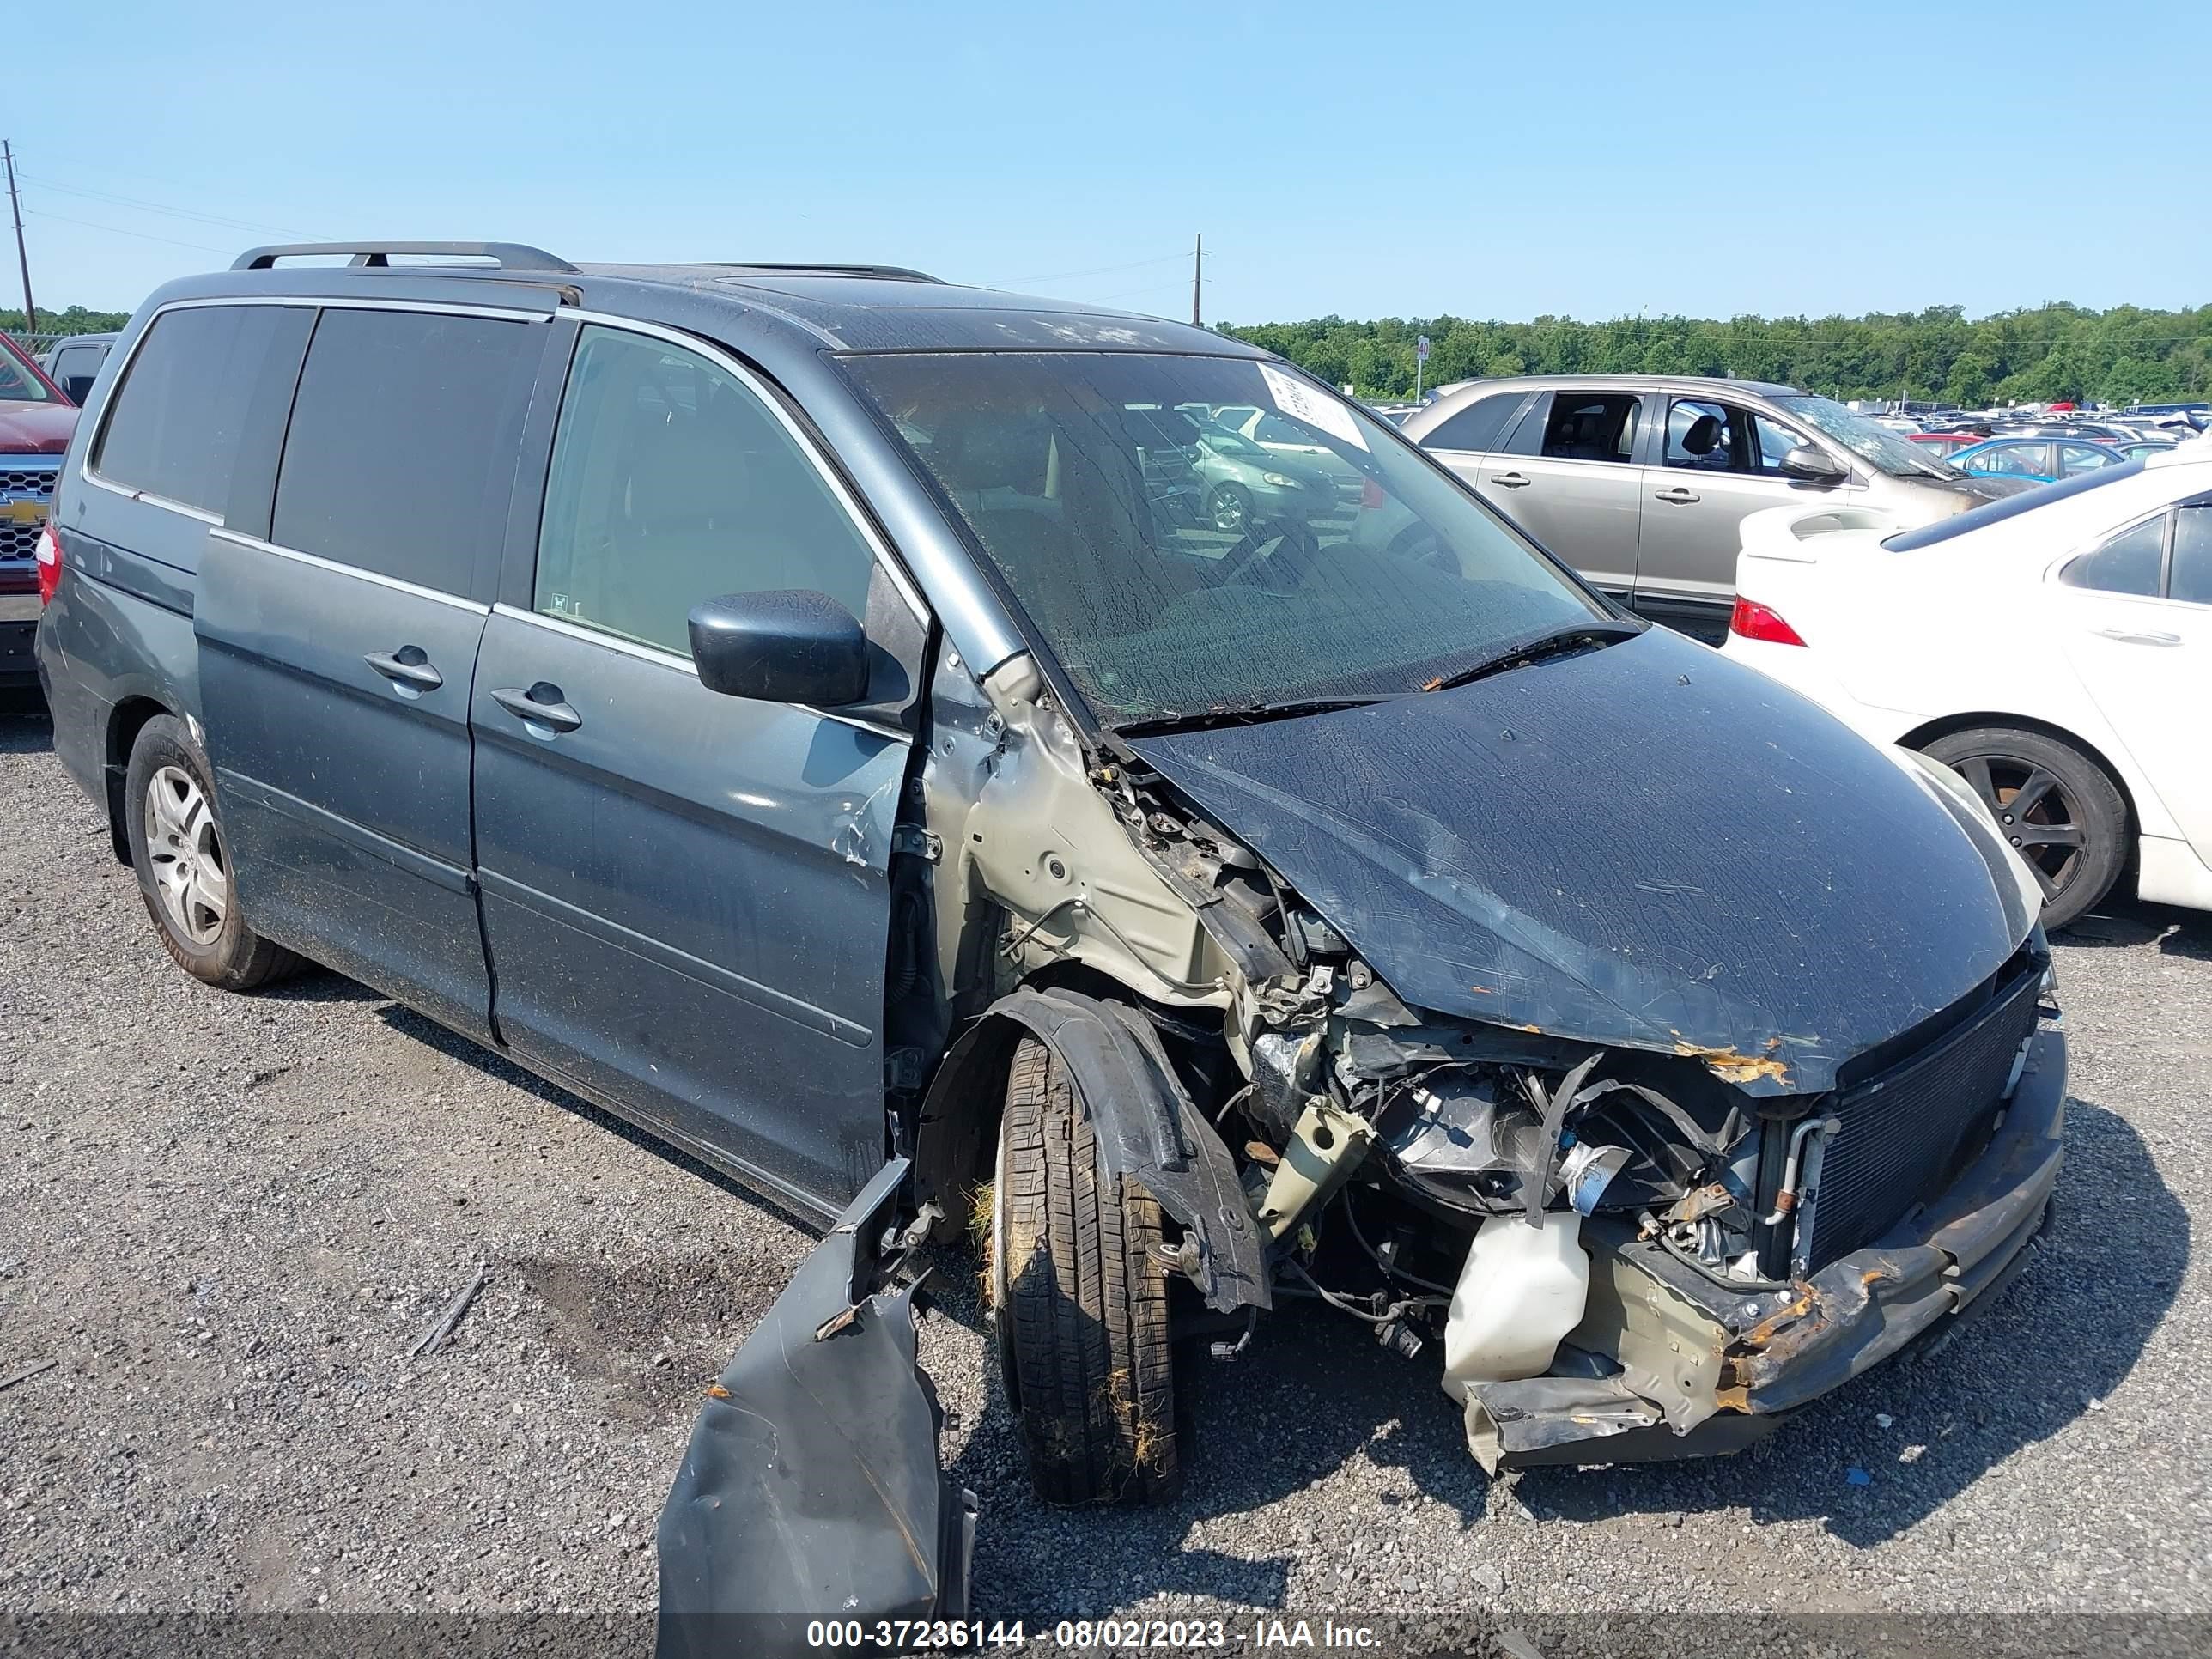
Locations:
{"points": [[1302, 403]]}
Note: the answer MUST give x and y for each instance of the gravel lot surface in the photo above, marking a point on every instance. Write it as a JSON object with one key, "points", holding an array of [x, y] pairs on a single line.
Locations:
{"points": [[227, 1218]]}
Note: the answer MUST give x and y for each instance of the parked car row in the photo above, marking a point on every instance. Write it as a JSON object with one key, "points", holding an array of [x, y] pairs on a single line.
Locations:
{"points": [[1085, 774]]}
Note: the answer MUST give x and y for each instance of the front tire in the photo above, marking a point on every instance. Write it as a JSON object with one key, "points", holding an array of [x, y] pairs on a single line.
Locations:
{"points": [[1228, 509], [2060, 809], [183, 864], [1081, 1305]]}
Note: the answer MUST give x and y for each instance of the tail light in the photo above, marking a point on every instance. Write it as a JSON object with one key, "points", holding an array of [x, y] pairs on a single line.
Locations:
{"points": [[1751, 620], [1370, 496], [50, 563]]}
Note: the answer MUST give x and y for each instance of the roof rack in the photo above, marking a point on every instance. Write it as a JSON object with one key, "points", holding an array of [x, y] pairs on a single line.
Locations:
{"points": [[812, 268], [510, 256]]}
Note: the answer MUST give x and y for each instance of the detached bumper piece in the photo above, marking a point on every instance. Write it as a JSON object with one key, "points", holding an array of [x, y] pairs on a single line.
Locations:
{"points": [[1750, 1363], [811, 1487]]}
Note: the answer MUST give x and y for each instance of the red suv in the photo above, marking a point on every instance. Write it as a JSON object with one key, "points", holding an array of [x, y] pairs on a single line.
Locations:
{"points": [[35, 423]]}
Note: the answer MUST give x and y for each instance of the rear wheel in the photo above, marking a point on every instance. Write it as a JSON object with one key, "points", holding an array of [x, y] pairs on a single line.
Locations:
{"points": [[1081, 1304], [2060, 809], [178, 849]]}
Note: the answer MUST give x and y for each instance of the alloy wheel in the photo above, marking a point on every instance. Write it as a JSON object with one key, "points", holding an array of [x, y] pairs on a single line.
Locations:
{"points": [[2033, 812], [190, 875]]}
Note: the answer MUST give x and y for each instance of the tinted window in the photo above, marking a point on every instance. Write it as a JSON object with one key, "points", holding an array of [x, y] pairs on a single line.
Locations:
{"points": [[402, 450], [1477, 426], [2191, 576], [672, 483], [2129, 563], [176, 424], [1526, 436], [1274, 429]]}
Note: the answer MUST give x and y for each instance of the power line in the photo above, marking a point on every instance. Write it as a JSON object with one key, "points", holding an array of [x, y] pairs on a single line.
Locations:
{"points": [[117, 230], [156, 207], [1098, 271]]}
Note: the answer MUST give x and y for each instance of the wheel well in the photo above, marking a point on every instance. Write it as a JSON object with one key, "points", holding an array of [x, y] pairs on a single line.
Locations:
{"points": [[1921, 736], [124, 722], [957, 1135]]}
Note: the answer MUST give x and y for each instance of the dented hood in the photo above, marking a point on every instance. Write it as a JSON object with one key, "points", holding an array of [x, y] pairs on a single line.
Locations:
{"points": [[1644, 845]]}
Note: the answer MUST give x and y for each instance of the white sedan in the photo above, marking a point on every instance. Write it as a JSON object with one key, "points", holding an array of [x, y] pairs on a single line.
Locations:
{"points": [[2054, 648]]}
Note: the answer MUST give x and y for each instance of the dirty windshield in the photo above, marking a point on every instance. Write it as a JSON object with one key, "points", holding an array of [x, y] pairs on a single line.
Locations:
{"points": [[1183, 555]]}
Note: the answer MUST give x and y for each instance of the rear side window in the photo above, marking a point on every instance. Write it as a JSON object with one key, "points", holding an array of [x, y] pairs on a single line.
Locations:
{"points": [[1478, 425], [2130, 563], [176, 426], [2191, 576], [401, 456]]}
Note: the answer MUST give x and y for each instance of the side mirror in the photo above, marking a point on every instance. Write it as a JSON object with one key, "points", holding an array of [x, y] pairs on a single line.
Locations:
{"points": [[783, 647], [1810, 465]]}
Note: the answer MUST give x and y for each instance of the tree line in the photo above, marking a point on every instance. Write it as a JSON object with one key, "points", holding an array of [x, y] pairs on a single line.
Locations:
{"points": [[2124, 356], [75, 321]]}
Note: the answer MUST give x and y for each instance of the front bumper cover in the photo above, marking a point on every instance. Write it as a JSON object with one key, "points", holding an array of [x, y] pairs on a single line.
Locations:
{"points": [[1852, 1314]]}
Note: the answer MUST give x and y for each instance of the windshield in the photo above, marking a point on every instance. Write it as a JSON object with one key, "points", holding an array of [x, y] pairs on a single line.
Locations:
{"points": [[1877, 446], [1168, 591], [19, 382]]}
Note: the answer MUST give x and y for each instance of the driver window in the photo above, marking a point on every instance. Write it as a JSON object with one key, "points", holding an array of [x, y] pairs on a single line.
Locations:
{"points": [[1775, 440], [672, 482], [1707, 436]]}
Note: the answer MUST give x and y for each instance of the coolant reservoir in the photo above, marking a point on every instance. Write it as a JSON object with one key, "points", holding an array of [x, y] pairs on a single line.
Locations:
{"points": [[1522, 1291]]}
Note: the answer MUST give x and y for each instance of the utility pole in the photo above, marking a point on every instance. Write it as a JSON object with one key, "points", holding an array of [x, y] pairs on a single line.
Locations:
{"points": [[1197, 267], [30, 310]]}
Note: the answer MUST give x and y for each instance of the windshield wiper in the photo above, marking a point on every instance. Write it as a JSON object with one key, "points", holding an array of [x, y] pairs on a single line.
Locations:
{"points": [[1544, 645], [1238, 713]]}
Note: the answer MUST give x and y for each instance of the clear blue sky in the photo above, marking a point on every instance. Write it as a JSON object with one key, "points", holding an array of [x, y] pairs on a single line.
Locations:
{"points": [[1477, 159]]}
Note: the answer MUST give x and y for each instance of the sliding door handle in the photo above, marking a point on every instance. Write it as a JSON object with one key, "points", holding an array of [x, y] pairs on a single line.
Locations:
{"points": [[541, 705]]}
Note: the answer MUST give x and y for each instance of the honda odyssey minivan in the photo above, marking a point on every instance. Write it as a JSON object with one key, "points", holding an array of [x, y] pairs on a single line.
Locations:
{"points": [[770, 702]]}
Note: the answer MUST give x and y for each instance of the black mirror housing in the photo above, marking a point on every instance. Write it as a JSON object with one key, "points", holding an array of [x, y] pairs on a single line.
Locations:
{"points": [[1809, 465], [786, 646]]}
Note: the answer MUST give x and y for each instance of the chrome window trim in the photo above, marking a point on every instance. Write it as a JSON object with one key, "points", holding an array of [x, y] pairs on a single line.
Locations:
{"points": [[773, 401], [415, 589], [310, 302], [670, 660]]}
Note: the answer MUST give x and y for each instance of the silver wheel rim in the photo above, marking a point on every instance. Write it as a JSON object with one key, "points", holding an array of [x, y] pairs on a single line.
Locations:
{"points": [[1228, 510], [190, 877]]}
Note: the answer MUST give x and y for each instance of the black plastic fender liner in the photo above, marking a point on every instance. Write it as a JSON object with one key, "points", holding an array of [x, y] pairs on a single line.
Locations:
{"points": [[1148, 1129], [812, 1488]]}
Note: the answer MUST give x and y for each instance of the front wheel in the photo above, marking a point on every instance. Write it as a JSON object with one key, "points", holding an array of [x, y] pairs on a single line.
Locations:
{"points": [[2060, 809], [1080, 1303], [183, 864], [1230, 508]]}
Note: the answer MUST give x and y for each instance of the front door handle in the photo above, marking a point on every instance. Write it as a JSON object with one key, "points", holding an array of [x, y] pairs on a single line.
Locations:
{"points": [[1511, 480], [541, 705], [408, 668], [2127, 636], [1677, 496]]}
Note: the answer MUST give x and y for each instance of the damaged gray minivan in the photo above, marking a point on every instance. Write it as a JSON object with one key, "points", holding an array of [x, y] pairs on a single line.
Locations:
{"points": [[806, 711]]}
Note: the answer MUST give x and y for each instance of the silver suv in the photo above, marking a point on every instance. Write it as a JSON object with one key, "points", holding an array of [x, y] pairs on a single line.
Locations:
{"points": [[1640, 481]]}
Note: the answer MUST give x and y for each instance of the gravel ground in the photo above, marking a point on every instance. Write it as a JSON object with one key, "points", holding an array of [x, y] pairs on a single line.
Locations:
{"points": [[227, 1218]]}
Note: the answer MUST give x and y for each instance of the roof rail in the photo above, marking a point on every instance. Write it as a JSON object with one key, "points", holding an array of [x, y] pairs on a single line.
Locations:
{"points": [[510, 256], [812, 268]]}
